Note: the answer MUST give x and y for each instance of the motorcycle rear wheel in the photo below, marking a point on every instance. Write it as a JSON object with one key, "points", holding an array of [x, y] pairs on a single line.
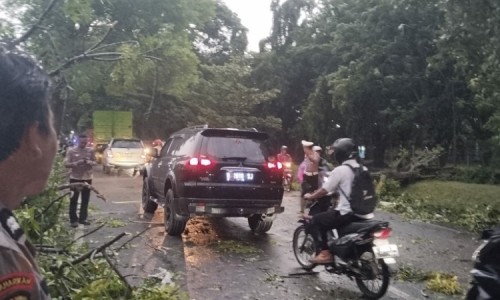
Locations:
{"points": [[374, 281], [304, 248]]}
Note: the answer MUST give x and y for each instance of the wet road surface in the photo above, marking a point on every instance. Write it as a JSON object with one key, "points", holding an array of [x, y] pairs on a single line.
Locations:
{"points": [[223, 259]]}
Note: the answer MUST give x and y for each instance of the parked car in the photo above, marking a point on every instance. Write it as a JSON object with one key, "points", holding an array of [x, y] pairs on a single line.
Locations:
{"points": [[214, 172], [123, 153]]}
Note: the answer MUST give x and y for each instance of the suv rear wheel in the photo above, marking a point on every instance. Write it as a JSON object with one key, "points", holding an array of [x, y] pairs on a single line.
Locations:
{"points": [[147, 205], [259, 223], [173, 225]]}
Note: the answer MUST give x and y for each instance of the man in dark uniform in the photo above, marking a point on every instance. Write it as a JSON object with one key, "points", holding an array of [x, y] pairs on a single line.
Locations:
{"points": [[27, 150]]}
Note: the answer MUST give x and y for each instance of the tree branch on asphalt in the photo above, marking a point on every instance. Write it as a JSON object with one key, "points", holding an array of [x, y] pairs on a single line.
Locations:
{"points": [[30, 31], [82, 236], [92, 252], [122, 278], [132, 238]]}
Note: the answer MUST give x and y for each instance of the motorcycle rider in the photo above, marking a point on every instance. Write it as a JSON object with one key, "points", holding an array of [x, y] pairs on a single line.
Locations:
{"points": [[344, 152], [286, 160], [283, 156]]}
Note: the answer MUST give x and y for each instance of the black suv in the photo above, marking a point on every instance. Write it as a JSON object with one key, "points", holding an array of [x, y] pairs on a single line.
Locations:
{"points": [[215, 172]]}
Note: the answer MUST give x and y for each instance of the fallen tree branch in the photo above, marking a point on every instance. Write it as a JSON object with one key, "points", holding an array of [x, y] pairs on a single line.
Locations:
{"points": [[52, 203], [81, 237], [122, 278], [80, 186], [92, 252], [132, 238]]}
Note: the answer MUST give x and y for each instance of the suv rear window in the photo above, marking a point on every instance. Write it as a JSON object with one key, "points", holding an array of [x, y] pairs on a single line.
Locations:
{"points": [[224, 147], [130, 144]]}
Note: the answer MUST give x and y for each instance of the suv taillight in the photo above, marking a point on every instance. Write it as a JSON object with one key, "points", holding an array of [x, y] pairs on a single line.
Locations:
{"points": [[195, 161]]}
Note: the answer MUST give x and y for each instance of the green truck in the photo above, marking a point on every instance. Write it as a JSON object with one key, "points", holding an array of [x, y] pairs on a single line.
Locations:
{"points": [[109, 124]]}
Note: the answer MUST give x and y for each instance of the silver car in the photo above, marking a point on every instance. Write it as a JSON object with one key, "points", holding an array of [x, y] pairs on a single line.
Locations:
{"points": [[123, 153]]}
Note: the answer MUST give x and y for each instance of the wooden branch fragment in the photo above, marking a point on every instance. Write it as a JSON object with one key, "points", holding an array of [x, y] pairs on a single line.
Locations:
{"points": [[30, 31], [81, 237], [132, 238], [122, 278], [91, 252], [47, 249], [52, 203], [291, 275], [80, 186]]}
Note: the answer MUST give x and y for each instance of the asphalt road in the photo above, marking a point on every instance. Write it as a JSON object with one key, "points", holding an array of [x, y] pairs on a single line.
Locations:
{"points": [[223, 259]]}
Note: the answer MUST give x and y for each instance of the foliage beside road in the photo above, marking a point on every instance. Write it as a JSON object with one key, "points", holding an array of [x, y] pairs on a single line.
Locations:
{"points": [[74, 270], [471, 206]]}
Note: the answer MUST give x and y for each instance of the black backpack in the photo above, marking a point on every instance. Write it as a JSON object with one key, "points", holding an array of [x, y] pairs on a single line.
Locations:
{"points": [[362, 199]]}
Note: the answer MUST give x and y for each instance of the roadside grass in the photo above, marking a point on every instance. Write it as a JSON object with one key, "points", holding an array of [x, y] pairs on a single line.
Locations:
{"points": [[439, 282], [471, 206]]}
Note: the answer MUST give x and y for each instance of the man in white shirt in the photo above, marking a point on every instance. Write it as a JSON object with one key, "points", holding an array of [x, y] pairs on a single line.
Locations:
{"points": [[339, 180]]}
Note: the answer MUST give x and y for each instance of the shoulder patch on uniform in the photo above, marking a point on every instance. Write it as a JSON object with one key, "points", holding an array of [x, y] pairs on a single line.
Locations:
{"points": [[17, 285], [9, 223]]}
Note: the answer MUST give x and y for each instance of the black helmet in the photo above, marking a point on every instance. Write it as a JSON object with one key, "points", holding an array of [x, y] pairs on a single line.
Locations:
{"points": [[344, 149]]}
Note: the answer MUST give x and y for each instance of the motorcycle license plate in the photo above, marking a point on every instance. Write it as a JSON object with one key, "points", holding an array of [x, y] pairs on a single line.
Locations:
{"points": [[386, 251]]}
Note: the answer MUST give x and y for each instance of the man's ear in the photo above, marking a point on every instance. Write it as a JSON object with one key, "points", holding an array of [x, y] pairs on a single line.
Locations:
{"points": [[32, 140]]}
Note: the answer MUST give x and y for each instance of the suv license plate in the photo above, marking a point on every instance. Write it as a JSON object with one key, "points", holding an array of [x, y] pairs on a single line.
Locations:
{"points": [[239, 176]]}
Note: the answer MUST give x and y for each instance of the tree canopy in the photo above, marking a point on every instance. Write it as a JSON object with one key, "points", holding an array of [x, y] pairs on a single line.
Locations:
{"points": [[389, 73]]}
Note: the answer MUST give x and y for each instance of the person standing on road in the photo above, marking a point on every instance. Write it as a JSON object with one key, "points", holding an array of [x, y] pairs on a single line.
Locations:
{"points": [[310, 178], [27, 150], [80, 160]]}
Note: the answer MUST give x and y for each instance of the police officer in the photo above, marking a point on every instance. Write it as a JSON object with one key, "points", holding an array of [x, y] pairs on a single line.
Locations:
{"points": [[310, 180], [28, 145]]}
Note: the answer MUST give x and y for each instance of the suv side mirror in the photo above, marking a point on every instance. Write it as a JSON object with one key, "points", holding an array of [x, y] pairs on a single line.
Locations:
{"points": [[156, 153]]}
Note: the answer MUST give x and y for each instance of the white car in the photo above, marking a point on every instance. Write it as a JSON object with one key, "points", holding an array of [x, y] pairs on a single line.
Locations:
{"points": [[123, 153]]}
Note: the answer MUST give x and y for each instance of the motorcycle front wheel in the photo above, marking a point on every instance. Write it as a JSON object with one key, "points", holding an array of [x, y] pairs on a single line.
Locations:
{"points": [[304, 248], [374, 278]]}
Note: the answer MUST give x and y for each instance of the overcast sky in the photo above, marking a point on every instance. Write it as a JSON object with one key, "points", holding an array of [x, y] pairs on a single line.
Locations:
{"points": [[256, 16]]}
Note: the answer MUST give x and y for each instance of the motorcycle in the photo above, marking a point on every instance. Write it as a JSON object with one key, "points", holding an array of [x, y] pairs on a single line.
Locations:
{"points": [[287, 176], [485, 282], [362, 251]]}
